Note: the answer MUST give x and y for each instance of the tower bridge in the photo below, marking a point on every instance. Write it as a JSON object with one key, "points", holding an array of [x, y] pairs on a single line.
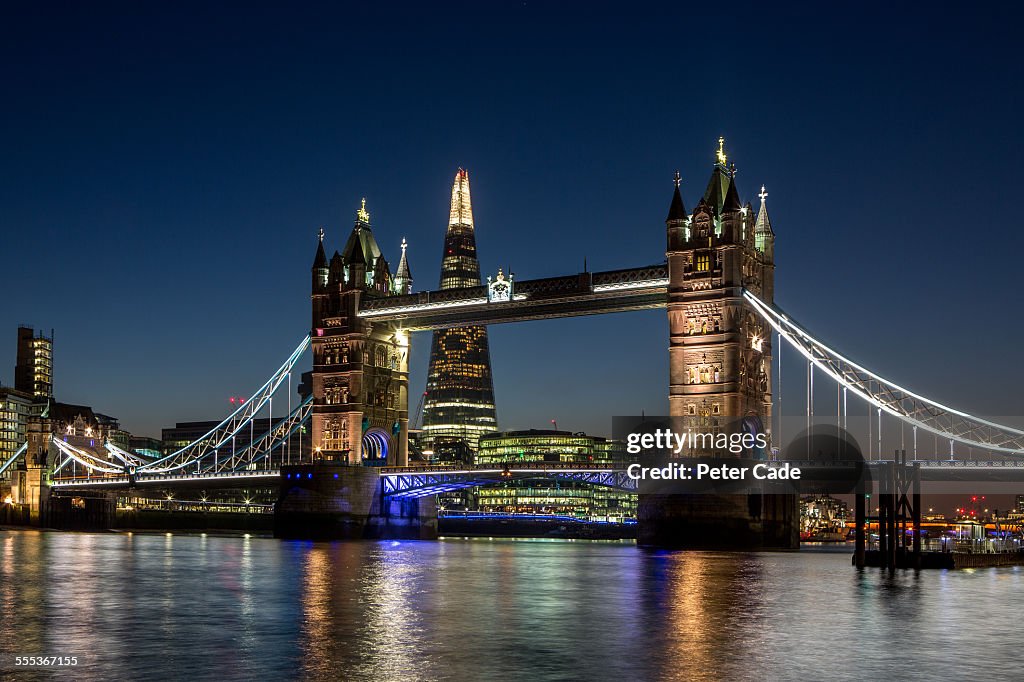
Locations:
{"points": [[724, 329]]}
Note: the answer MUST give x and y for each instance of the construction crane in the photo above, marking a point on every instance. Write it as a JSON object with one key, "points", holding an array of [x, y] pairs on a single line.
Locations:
{"points": [[417, 419]]}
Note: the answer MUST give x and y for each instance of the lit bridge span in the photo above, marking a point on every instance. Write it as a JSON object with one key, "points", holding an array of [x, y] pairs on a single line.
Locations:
{"points": [[586, 293], [423, 481], [216, 457]]}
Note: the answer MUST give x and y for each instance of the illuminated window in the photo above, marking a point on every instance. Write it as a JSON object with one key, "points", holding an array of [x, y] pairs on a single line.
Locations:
{"points": [[703, 263]]}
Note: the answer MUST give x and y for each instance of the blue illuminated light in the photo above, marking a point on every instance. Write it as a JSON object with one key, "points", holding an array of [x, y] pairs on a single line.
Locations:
{"points": [[309, 475], [335, 475]]}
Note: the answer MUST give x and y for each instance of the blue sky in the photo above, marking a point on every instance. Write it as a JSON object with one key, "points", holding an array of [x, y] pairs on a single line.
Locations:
{"points": [[165, 169]]}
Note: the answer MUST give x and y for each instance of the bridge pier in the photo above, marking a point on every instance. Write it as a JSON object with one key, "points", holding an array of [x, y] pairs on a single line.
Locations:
{"points": [[710, 521], [336, 502]]}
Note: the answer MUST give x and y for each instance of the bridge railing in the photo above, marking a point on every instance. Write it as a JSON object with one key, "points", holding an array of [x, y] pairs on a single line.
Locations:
{"points": [[497, 467]]}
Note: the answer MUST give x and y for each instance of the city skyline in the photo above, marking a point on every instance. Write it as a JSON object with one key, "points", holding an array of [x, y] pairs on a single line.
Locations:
{"points": [[171, 243]]}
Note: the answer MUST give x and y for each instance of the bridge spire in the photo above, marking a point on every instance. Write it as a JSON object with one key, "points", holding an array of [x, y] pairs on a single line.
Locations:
{"points": [[320, 260], [403, 278], [764, 235], [676, 211], [720, 190]]}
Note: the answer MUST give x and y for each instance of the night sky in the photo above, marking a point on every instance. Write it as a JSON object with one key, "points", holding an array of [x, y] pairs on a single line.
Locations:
{"points": [[165, 169]]}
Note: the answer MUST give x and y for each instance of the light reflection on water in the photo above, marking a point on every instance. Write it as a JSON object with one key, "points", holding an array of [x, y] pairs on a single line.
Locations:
{"points": [[206, 607]]}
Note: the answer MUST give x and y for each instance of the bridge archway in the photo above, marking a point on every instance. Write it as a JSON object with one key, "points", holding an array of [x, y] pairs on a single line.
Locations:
{"points": [[377, 444]]}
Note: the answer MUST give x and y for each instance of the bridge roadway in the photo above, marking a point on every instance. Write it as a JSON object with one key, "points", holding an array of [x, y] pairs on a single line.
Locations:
{"points": [[586, 293], [414, 481]]}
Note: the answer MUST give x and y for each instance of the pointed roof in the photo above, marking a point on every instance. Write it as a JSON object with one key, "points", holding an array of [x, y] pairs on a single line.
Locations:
{"points": [[320, 261], [361, 243], [763, 225], [676, 212], [721, 178], [462, 207], [718, 187], [354, 249], [403, 271], [731, 203]]}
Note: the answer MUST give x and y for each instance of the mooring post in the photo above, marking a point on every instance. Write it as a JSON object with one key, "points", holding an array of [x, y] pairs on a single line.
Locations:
{"points": [[892, 502], [859, 509], [916, 512], [883, 514]]}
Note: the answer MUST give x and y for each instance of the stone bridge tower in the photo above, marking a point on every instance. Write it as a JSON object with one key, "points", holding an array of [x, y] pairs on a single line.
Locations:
{"points": [[719, 363], [360, 409], [720, 349]]}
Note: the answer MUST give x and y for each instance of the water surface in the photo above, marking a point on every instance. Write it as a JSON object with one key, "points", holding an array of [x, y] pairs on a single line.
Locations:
{"points": [[134, 606]]}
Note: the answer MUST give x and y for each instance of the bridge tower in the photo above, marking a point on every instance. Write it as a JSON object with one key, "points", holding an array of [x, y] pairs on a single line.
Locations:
{"points": [[360, 409], [720, 350], [32, 483], [719, 359]]}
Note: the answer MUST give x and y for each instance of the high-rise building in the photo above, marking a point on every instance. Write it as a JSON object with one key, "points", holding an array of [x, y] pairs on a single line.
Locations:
{"points": [[33, 373], [460, 391], [15, 409]]}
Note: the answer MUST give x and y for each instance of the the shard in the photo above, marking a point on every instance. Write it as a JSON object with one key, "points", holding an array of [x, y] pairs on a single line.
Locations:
{"points": [[459, 405]]}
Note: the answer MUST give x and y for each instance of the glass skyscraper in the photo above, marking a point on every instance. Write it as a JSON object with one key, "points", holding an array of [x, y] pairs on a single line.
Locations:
{"points": [[460, 392]]}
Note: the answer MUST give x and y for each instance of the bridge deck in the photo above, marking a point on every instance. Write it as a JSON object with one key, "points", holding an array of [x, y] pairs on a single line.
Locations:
{"points": [[443, 478], [587, 293]]}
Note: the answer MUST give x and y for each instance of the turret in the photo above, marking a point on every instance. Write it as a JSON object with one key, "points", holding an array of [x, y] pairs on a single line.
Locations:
{"points": [[336, 272], [764, 236], [677, 219], [355, 260], [361, 253], [402, 283], [320, 269], [381, 276]]}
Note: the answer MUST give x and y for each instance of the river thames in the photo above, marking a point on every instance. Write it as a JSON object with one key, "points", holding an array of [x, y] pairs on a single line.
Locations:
{"points": [[134, 606]]}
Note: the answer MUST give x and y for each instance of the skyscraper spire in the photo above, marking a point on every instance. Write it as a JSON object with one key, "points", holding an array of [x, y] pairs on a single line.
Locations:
{"points": [[460, 392], [462, 207], [459, 266]]}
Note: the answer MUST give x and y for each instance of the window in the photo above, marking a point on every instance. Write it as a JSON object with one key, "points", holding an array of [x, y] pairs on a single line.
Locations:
{"points": [[703, 262]]}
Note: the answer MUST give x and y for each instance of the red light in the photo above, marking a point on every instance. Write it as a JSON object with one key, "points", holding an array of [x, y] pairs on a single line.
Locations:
{"points": [[974, 499], [232, 400]]}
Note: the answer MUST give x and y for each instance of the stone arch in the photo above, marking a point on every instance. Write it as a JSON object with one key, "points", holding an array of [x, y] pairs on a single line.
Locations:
{"points": [[377, 445]]}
